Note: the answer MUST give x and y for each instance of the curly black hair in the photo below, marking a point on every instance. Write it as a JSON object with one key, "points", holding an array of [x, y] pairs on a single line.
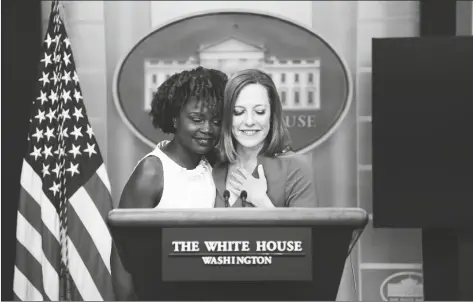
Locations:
{"points": [[207, 85]]}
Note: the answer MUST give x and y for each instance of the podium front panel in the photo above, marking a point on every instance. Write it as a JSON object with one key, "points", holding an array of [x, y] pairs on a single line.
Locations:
{"points": [[160, 273]]}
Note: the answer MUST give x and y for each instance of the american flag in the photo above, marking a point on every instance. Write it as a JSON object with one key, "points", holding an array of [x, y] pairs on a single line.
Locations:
{"points": [[65, 190]]}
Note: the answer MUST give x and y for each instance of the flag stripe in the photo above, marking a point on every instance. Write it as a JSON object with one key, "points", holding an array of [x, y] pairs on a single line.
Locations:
{"points": [[30, 210], [52, 251], [75, 294], [93, 222], [102, 173], [90, 255], [15, 297], [39, 215], [29, 237], [51, 247], [30, 268], [31, 182], [99, 193], [81, 276], [50, 265], [31, 240], [23, 289]]}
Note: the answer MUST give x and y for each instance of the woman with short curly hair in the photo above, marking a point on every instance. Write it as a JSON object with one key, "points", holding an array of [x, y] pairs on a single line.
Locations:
{"points": [[177, 173], [189, 106]]}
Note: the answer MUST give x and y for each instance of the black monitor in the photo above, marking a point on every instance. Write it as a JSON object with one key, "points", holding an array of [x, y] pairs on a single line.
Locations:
{"points": [[422, 107]]}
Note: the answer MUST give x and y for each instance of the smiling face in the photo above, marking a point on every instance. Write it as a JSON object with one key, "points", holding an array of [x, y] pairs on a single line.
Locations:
{"points": [[198, 127], [251, 117]]}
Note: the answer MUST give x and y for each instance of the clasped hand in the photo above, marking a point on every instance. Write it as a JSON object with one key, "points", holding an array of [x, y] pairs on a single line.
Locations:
{"points": [[256, 188]]}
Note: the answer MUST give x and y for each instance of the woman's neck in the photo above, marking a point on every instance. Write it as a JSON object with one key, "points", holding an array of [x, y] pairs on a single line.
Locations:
{"points": [[181, 155], [247, 155]]}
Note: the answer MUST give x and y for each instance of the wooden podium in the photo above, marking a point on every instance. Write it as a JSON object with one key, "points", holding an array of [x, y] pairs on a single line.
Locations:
{"points": [[236, 254]]}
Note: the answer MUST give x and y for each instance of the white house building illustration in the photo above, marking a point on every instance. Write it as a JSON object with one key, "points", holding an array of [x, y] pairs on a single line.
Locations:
{"points": [[297, 81], [407, 289]]}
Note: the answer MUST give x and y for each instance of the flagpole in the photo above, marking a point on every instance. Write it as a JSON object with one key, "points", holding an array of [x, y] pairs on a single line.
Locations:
{"points": [[65, 278], [65, 289]]}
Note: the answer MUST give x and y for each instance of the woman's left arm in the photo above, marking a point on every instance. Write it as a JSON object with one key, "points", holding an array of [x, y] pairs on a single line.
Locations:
{"points": [[300, 187]]}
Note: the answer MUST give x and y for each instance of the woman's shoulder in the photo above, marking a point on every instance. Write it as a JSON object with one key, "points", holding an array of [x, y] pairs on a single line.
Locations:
{"points": [[292, 161], [144, 187], [149, 168]]}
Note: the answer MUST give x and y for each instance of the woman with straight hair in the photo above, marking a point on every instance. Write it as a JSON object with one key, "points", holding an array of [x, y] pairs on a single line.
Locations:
{"points": [[252, 149]]}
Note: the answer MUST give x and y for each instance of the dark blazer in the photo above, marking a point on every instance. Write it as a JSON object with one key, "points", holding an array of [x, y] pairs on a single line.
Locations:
{"points": [[289, 179]]}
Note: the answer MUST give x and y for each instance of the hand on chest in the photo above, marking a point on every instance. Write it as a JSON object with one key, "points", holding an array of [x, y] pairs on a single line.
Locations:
{"points": [[239, 178]]}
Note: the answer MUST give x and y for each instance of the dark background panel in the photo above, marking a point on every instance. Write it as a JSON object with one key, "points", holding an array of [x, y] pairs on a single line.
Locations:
{"points": [[21, 42], [438, 18], [423, 132], [422, 168]]}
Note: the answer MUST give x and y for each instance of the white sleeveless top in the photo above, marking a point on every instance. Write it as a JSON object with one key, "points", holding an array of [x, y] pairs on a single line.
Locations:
{"points": [[184, 188]]}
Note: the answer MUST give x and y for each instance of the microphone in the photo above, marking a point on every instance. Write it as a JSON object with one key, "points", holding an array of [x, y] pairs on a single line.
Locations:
{"points": [[226, 195], [243, 196]]}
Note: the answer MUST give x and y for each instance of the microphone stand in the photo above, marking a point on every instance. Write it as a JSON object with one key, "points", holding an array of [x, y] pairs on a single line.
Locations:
{"points": [[243, 196], [226, 195]]}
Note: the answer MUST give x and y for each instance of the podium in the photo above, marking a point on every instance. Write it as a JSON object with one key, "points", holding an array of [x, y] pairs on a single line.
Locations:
{"points": [[236, 254]]}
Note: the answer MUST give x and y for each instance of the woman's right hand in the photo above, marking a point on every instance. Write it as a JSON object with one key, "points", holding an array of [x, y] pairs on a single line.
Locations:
{"points": [[256, 188]]}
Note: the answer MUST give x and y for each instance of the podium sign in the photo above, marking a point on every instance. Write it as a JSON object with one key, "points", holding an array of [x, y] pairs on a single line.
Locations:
{"points": [[237, 254]]}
